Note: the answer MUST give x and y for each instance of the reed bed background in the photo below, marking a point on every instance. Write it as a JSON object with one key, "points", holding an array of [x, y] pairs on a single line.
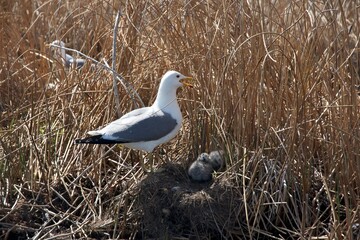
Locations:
{"points": [[276, 89]]}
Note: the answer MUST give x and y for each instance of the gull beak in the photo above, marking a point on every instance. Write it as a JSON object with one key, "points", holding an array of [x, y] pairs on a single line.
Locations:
{"points": [[186, 81]]}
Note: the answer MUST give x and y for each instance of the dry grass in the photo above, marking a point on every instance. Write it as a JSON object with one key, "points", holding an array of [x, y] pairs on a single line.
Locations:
{"points": [[276, 89]]}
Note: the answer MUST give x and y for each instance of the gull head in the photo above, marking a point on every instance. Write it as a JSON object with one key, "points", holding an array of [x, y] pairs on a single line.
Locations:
{"points": [[173, 79], [57, 43], [166, 96]]}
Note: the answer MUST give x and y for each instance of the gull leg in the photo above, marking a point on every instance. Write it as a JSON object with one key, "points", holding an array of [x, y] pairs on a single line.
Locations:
{"points": [[160, 151], [166, 156], [151, 161]]}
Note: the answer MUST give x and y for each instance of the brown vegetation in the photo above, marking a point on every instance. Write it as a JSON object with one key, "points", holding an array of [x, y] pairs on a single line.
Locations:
{"points": [[276, 89]]}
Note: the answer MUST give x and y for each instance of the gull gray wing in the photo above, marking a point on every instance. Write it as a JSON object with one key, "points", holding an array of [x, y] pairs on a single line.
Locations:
{"points": [[121, 121], [68, 60], [78, 62], [140, 128]]}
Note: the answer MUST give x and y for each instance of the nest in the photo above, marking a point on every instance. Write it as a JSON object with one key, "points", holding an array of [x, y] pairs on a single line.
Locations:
{"points": [[171, 205]]}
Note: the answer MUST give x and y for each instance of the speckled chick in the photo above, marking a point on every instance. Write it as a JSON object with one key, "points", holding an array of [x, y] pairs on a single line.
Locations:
{"points": [[201, 169]]}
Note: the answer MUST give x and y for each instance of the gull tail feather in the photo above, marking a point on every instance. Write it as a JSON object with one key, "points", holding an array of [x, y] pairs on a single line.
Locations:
{"points": [[96, 140]]}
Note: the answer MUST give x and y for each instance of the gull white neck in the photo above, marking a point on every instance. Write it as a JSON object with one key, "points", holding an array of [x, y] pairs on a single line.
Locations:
{"points": [[166, 98]]}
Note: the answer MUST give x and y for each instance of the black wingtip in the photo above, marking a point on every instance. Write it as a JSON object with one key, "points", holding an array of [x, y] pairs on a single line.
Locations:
{"points": [[89, 140], [96, 140], [78, 141]]}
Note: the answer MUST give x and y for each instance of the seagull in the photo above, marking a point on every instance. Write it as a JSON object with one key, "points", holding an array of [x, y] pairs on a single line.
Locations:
{"points": [[148, 127], [67, 60]]}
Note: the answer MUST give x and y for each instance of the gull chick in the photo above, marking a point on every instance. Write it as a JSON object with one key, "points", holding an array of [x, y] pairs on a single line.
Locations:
{"points": [[202, 168]]}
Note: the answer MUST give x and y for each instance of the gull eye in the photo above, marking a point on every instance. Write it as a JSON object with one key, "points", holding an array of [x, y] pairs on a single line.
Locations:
{"points": [[178, 76]]}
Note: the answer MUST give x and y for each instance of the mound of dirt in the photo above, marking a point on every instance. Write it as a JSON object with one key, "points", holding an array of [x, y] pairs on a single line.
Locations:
{"points": [[172, 206]]}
